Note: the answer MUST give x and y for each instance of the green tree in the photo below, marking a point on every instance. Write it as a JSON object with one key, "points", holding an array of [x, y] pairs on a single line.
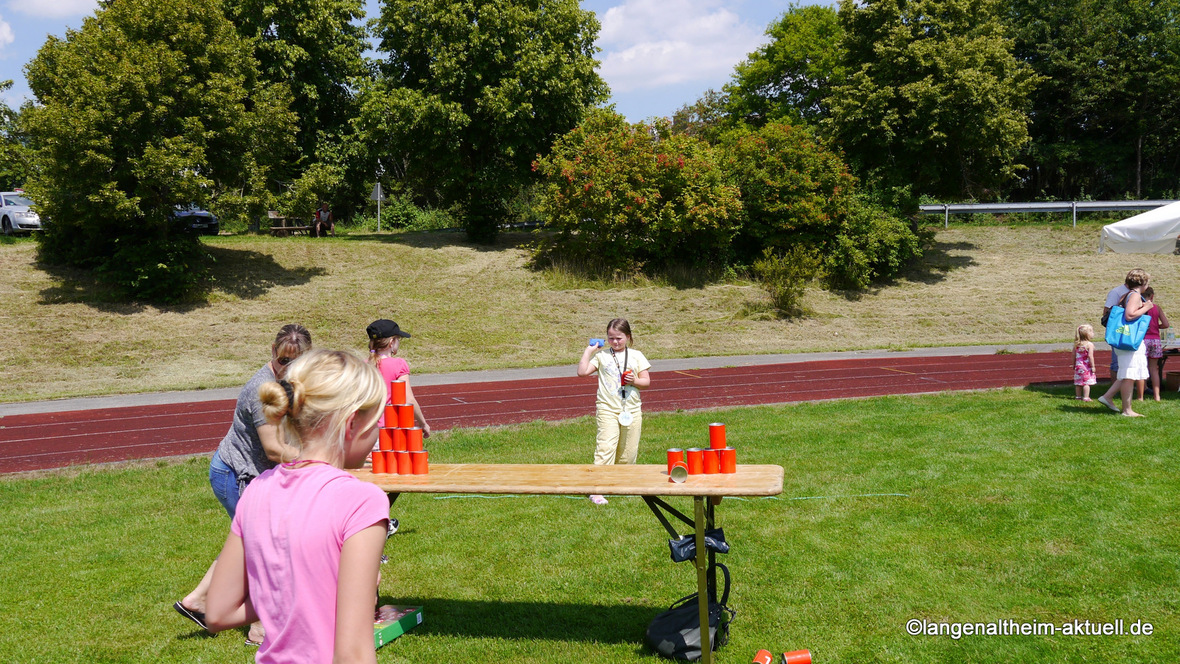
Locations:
{"points": [[791, 76], [798, 196], [477, 89], [148, 106], [706, 118], [1105, 120], [627, 197], [315, 49], [932, 96], [14, 151]]}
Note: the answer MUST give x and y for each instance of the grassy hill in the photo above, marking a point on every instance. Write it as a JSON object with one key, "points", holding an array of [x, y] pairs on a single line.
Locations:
{"points": [[472, 307]]}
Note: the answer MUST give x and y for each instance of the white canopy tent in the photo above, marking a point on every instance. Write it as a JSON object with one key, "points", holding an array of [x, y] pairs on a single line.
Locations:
{"points": [[1153, 232]]}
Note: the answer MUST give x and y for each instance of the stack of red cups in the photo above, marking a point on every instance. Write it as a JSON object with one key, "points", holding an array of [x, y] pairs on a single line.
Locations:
{"points": [[399, 438]]}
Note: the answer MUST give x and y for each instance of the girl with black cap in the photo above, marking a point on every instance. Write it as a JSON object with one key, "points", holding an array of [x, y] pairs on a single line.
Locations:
{"points": [[384, 340]]}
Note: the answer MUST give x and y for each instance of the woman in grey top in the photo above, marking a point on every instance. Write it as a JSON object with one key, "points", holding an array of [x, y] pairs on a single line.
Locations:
{"points": [[250, 446]]}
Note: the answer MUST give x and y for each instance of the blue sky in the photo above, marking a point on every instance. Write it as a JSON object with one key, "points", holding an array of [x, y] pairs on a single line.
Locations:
{"points": [[657, 55]]}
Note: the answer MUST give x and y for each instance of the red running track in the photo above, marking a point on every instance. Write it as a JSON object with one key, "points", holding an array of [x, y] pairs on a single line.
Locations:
{"points": [[54, 440]]}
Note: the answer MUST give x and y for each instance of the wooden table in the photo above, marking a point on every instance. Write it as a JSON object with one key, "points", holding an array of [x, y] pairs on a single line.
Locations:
{"points": [[648, 481], [284, 226]]}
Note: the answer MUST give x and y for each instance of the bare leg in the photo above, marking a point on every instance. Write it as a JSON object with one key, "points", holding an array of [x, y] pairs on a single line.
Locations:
{"points": [[1125, 394], [196, 599], [1085, 393], [1115, 387], [1140, 385], [1153, 370]]}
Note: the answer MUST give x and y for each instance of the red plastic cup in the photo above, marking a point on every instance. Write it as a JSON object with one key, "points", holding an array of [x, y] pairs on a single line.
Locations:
{"points": [[397, 391], [762, 657], [712, 462], [414, 439], [797, 657], [728, 460], [419, 462], [405, 415], [390, 416], [378, 463], [404, 465], [696, 461], [678, 473], [385, 439], [675, 454], [716, 436], [399, 440], [390, 462]]}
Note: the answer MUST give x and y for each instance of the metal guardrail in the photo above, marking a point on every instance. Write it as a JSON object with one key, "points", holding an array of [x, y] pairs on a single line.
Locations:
{"points": [[947, 209]]}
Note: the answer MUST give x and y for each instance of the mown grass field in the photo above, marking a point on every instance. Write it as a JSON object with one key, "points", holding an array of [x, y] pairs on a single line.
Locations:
{"points": [[472, 307], [1004, 505]]}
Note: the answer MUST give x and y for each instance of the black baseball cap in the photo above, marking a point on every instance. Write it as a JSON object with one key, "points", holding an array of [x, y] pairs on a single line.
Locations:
{"points": [[380, 329]]}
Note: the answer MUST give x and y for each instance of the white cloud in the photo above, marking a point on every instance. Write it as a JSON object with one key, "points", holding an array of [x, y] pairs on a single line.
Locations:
{"points": [[652, 43], [6, 34], [53, 8]]}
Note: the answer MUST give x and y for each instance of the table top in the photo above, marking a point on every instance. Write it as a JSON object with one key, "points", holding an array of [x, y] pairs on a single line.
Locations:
{"points": [[578, 480]]}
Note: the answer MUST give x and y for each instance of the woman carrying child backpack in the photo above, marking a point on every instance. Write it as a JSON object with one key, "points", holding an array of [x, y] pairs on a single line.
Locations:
{"points": [[306, 541]]}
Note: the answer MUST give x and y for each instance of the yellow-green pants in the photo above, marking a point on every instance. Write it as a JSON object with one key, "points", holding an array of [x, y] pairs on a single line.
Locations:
{"points": [[616, 443]]}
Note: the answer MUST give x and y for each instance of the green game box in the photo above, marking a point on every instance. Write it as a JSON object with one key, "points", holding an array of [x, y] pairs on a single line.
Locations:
{"points": [[404, 619]]}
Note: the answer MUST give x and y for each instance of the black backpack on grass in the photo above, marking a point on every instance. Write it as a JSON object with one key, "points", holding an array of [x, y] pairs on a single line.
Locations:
{"points": [[676, 633]]}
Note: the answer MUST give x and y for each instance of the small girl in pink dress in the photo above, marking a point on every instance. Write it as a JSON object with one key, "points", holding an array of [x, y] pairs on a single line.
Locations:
{"points": [[1083, 362]]}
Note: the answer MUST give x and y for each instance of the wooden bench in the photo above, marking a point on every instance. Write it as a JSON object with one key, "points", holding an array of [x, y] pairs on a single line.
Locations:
{"points": [[283, 226]]}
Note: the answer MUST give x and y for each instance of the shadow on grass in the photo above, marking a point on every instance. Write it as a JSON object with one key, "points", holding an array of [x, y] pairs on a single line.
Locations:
{"points": [[1065, 392], [531, 620], [238, 272], [442, 239], [937, 261], [933, 267]]}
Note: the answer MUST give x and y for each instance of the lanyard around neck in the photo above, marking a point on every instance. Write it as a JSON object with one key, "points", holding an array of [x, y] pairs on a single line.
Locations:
{"points": [[626, 354]]}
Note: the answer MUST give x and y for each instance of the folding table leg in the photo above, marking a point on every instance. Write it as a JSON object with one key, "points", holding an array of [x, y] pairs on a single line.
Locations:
{"points": [[702, 579]]}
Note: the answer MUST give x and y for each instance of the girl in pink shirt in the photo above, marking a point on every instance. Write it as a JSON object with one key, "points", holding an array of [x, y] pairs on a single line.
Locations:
{"points": [[384, 341], [306, 541]]}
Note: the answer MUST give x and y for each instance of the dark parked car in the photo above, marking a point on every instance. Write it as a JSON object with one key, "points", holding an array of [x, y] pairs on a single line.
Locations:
{"points": [[200, 221]]}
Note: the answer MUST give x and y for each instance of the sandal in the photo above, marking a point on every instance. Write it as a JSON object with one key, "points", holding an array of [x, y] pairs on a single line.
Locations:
{"points": [[597, 499], [195, 616]]}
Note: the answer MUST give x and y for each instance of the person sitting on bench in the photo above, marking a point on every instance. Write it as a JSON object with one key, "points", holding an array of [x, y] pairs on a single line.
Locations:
{"points": [[322, 222]]}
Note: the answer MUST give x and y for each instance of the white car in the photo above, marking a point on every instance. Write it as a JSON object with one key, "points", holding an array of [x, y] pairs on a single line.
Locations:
{"points": [[15, 215]]}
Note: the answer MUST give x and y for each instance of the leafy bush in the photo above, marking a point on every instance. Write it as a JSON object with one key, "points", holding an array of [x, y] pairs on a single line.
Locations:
{"points": [[629, 197], [433, 219], [795, 193], [784, 275], [317, 184], [406, 216], [872, 244]]}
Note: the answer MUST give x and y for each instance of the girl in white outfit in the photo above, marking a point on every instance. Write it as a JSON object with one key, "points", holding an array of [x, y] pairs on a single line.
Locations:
{"points": [[622, 372]]}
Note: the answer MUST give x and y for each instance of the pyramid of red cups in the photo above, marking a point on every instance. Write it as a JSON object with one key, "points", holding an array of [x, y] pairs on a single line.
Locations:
{"points": [[717, 458], [399, 447]]}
